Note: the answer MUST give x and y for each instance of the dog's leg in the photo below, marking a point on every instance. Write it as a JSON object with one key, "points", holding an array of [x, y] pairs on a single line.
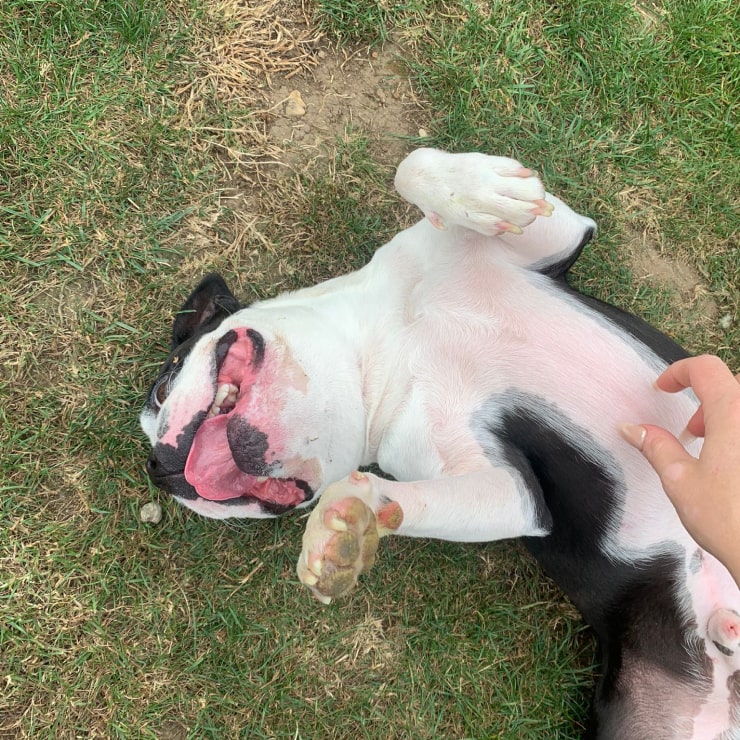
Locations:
{"points": [[498, 198], [343, 531]]}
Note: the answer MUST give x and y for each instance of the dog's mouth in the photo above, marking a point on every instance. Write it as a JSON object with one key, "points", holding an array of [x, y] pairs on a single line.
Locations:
{"points": [[227, 459]]}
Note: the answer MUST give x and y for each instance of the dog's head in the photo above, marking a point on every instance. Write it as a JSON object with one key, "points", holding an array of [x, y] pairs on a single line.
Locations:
{"points": [[247, 418]]}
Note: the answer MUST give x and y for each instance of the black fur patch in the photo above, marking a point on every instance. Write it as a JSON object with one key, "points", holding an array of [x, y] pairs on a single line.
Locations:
{"points": [[560, 268], [582, 493], [631, 606], [167, 463], [206, 307], [723, 648], [697, 559], [248, 446], [258, 343]]}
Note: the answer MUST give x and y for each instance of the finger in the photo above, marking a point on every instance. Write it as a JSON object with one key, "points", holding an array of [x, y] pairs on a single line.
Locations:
{"points": [[664, 452], [709, 377], [696, 423]]}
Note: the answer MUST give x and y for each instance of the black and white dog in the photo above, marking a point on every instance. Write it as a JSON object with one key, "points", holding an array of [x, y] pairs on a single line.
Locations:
{"points": [[461, 362]]}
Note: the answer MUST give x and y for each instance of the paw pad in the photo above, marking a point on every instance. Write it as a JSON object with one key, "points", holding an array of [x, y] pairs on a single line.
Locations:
{"points": [[339, 544]]}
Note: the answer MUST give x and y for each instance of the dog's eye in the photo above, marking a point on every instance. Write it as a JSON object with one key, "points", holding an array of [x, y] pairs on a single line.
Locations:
{"points": [[161, 390]]}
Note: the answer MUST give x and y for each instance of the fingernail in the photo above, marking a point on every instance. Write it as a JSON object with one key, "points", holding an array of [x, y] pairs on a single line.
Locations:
{"points": [[634, 434]]}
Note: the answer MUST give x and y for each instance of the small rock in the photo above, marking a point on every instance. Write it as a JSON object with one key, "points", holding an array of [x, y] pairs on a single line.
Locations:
{"points": [[294, 105], [151, 513], [423, 133]]}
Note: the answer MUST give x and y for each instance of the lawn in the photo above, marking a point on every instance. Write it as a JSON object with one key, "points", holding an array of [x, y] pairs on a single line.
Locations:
{"points": [[139, 149]]}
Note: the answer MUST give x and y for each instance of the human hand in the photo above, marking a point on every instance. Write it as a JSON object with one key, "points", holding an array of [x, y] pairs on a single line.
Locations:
{"points": [[705, 491]]}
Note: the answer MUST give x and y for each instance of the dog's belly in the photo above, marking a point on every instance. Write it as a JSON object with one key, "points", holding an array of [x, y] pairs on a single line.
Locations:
{"points": [[508, 331]]}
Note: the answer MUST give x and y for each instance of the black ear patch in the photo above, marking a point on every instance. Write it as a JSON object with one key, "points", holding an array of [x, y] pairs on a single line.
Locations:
{"points": [[209, 303]]}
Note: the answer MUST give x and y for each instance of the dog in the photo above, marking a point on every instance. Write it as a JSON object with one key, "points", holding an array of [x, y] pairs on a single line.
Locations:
{"points": [[461, 362]]}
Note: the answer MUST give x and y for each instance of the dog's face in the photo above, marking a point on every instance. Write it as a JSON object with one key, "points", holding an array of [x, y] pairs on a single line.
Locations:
{"points": [[237, 425]]}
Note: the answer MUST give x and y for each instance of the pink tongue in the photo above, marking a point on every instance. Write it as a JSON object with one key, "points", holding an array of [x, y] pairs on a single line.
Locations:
{"points": [[279, 492], [210, 468]]}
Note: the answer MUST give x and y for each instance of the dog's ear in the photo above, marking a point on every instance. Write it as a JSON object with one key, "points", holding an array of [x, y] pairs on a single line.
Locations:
{"points": [[209, 303]]}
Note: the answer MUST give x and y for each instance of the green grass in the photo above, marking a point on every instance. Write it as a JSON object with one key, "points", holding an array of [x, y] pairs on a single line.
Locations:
{"points": [[117, 131]]}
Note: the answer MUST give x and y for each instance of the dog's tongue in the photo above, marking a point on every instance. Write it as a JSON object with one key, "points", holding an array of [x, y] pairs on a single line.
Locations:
{"points": [[211, 470]]}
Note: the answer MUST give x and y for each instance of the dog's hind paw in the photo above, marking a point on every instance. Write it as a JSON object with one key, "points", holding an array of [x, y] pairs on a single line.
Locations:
{"points": [[342, 536]]}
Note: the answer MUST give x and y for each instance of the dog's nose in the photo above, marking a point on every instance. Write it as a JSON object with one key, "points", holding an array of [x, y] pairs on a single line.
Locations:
{"points": [[152, 466], [166, 474], [158, 472]]}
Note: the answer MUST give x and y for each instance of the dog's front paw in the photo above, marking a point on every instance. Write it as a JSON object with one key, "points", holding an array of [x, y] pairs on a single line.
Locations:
{"points": [[341, 537]]}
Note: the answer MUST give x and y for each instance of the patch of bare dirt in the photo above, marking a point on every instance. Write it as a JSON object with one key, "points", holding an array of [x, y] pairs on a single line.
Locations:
{"points": [[307, 117], [368, 91], [173, 730], [654, 262], [305, 91], [693, 313], [650, 263]]}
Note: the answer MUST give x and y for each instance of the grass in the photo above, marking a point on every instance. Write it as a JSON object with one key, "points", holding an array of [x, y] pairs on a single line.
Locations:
{"points": [[122, 124]]}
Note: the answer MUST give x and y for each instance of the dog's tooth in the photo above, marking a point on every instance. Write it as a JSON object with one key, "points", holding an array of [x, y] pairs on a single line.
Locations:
{"points": [[262, 479]]}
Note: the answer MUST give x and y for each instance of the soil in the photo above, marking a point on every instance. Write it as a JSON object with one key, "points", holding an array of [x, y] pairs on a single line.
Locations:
{"points": [[367, 91]]}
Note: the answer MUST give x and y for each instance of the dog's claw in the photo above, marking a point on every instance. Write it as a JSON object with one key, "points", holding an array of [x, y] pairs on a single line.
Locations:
{"points": [[337, 524], [542, 208], [508, 228], [310, 579]]}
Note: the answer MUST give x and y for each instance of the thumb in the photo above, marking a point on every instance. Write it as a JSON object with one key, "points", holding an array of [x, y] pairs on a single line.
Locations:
{"points": [[665, 453]]}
